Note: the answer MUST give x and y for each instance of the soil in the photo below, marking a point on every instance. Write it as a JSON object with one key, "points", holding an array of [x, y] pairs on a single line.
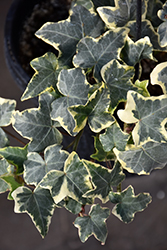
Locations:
{"points": [[30, 46]]}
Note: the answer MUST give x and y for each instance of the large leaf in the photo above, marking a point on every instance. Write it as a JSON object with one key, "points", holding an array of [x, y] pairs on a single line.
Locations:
{"points": [[36, 125], [46, 73], [123, 12], [95, 112], [36, 168], [74, 86], [3, 139], [128, 204], [143, 159], [159, 76], [65, 35], [15, 156], [114, 137], [117, 77], [38, 204], [7, 108], [103, 179], [93, 224], [162, 28], [134, 52], [73, 181], [95, 53], [149, 114]]}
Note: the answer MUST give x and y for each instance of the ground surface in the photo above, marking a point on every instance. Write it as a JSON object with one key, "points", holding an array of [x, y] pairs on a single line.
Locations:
{"points": [[148, 231]]}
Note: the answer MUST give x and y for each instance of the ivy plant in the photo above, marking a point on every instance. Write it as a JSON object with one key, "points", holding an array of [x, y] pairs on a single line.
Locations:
{"points": [[90, 91]]}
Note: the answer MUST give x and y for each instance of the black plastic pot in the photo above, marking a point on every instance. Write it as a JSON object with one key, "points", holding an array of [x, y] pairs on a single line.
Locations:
{"points": [[19, 11]]}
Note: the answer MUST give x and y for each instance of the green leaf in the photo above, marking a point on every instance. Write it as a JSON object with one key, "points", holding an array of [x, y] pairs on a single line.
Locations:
{"points": [[143, 159], [65, 35], [3, 139], [3, 170], [36, 125], [123, 12], [98, 3], [46, 73], [36, 168], [128, 203], [87, 4], [38, 204], [103, 179], [15, 156], [146, 30], [149, 114], [93, 224], [152, 9], [114, 137], [162, 29], [72, 205], [142, 87], [95, 111], [7, 108], [75, 88], [100, 154], [158, 76], [117, 78], [134, 52], [72, 182], [95, 53]]}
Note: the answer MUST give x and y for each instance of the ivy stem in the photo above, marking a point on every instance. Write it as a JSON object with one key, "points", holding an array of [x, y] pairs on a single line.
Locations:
{"points": [[119, 188], [7, 132], [77, 139], [138, 33]]}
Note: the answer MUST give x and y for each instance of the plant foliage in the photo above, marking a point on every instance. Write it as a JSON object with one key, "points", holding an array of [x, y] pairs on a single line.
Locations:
{"points": [[90, 86]]}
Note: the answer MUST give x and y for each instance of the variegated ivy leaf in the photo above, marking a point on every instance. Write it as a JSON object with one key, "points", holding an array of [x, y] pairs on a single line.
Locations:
{"points": [[117, 77], [128, 204], [36, 125], [158, 76], [38, 204], [73, 85], [162, 28], [7, 108], [15, 156], [134, 52], [95, 53], [36, 168], [143, 159], [152, 9], [146, 30], [93, 224], [103, 179], [95, 111], [123, 12], [73, 181], [3, 139], [87, 4], [65, 35], [100, 154], [46, 73], [8, 180], [149, 114], [72, 205], [114, 137]]}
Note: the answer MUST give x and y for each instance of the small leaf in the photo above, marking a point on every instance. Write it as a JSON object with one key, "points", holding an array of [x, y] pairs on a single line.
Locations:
{"points": [[74, 86], [7, 108], [3, 139], [87, 4], [95, 111], [3, 170], [134, 52], [128, 203], [149, 114], [38, 204], [158, 76], [15, 156], [162, 28], [46, 73], [103, 179], [65, 35], [93, 224], [142, 87], [72, 182], [152, 8], [114, 137], [143, 159], [95, 53], [72, 205], [36, 125], [36, 168]]}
